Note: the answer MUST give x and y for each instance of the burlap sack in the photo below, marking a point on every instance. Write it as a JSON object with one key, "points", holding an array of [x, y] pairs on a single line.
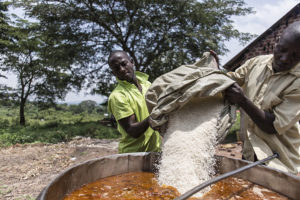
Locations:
{"points": [[175, 89]]}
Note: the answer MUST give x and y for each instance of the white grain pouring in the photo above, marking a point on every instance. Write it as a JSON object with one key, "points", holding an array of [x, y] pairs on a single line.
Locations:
{"points": [[189, 145]]}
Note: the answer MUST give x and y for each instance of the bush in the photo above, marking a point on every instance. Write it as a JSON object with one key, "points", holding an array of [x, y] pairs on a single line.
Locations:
{"points": [[55, 132], [7, 139], [4, 123], [51, 125], [233, 133]]}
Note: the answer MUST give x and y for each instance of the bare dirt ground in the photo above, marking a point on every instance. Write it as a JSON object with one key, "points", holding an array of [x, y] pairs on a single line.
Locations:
{"points": [[26, 169]]}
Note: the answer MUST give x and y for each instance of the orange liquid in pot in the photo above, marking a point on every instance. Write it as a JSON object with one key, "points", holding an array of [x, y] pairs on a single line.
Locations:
{"points": [[144, 186]]}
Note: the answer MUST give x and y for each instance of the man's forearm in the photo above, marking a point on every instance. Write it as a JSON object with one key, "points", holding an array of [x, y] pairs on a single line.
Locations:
{"points": [[138, 128], [132, 127], [263, 119]]}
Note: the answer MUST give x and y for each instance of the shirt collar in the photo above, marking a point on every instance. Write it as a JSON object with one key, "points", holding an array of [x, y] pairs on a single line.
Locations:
{"points": [[141, 77], [294, 71]]}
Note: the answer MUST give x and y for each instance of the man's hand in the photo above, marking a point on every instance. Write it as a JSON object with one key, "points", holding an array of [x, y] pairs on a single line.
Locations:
{"points": [[161, 129], [263, 119], [234, 94], [214, 54]]}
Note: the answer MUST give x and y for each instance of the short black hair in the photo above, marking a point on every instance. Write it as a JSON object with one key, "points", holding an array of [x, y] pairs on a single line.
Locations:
{"points": [[294, 30], [114, 52]]}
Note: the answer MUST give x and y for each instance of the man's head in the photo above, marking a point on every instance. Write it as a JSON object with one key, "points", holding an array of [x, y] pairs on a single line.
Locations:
{"points": [[287, 50], [121, 65]]}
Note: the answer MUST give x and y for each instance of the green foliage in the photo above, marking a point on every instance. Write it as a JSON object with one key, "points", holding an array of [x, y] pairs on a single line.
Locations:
{"points": [[236, 126], [8, 95], [233, 134], [88, 105], [54, 132], [51, 125], [4, 26], [25, 56], [157, 34]]}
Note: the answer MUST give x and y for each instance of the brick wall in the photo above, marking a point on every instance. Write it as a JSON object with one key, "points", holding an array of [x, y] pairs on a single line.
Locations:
{"points": [[264, 44]]}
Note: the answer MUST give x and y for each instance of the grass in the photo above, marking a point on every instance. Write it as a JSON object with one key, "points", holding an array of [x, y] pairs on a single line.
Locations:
{"points": [[54, 133], [51, 125], [5, 190], [233, 133], [28, 197], [54, 126]]}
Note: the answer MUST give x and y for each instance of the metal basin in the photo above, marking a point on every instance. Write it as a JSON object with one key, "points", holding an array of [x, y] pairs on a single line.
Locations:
{"points": [[90, 171]]}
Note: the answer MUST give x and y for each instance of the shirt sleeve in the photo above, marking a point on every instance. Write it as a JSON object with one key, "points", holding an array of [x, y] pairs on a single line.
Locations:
{"points": [[240, 74], [119, 106], [287, 113]]}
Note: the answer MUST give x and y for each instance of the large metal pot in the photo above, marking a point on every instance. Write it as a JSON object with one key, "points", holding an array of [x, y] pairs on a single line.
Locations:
{"points": [[92, 170]]}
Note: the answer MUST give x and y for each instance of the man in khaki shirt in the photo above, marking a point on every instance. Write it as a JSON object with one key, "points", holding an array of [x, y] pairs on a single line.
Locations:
{"points": [[270, 95]]}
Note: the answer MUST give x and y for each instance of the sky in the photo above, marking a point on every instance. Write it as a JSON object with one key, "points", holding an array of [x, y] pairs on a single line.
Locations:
{"points": [[267, 12]]}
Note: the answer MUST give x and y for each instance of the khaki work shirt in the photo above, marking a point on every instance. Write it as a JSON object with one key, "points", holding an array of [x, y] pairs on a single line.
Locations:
{"points": [[277, 93]]}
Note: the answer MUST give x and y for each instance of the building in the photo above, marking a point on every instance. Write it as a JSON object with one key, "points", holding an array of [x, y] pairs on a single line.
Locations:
{"points": [[264, 43]]}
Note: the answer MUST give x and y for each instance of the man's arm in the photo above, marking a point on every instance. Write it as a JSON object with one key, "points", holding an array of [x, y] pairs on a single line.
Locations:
{"points": [[132, 127], [263, 119]]}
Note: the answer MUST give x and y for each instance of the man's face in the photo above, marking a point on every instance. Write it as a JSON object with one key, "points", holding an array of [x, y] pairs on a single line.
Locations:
{"points": [[286, 54], [122, 66]]}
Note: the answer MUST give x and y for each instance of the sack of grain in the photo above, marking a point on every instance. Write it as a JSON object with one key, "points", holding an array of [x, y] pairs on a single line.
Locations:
{"points": [[173, 90], [189, 99]]}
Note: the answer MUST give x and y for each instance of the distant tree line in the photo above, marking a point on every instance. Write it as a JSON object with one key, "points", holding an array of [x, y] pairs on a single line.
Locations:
{"points": [[63, 46]]}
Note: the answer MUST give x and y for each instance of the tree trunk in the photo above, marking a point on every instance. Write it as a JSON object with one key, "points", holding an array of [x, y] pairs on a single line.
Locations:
{"points": [[22, 116]]}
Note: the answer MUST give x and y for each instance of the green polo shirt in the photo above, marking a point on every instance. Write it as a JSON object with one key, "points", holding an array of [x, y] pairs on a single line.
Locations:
{"points": [[126, 100]]}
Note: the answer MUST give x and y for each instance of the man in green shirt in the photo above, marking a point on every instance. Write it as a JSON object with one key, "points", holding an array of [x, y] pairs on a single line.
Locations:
{"points": [[127, 104]]}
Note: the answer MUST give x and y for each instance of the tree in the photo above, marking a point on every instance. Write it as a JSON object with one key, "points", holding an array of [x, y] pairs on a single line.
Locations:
{"points": [[88, 105], [159, 35], [8, 95], [38, 78], [4, 35], [4, 26]]}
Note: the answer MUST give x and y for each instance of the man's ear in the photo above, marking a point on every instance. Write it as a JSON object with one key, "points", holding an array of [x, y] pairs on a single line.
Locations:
{"points": [[132, 61], [111, 71]]}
